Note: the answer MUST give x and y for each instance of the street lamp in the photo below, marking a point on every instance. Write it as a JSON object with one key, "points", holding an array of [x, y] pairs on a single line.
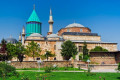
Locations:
{"points": [[39, 62], [88, 65], [8, 62]]}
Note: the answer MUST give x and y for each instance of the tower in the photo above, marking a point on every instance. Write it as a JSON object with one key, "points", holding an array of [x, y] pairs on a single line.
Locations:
{"points": [[33, 24], [50, 23], [23, 35], [20, 37]]}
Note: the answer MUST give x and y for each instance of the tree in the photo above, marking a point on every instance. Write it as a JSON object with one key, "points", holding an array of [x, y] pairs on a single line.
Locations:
{"points": [[85, 52], [11, 50], [68, 50], [49, 54], [3, 50], [20, 51], [33, 49], [98, 49]]}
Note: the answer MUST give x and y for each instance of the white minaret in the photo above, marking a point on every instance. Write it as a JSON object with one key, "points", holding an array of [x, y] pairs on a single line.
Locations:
{"points": [[23, 35], [50, 23], [20, 37]]}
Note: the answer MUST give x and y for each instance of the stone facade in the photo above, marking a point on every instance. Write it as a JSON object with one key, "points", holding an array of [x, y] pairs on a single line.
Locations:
{"points": [[74, 29], [83, 38], [105, 57]]}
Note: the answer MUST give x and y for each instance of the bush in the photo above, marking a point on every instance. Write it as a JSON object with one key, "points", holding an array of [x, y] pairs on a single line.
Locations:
{"points": [[7, 70], [118, 67], [48, 69]]}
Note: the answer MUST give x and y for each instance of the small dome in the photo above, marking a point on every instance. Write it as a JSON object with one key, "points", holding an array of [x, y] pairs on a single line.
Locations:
{"points": [[35, 35], [52, 35], [11, 40], [74, 25]]}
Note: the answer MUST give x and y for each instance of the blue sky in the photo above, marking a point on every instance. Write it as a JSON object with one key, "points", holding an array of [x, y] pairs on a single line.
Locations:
{"points": [[101, 16]]}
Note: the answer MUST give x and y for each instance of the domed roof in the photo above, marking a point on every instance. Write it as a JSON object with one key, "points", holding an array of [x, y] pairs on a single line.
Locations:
{"points": [[11, 40], [74, 25], [52, 35], [35, 35]]}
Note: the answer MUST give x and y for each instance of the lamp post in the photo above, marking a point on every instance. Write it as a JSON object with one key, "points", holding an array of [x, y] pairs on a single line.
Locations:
{"points": [[8, 62], [39, 62], [88, 64]]}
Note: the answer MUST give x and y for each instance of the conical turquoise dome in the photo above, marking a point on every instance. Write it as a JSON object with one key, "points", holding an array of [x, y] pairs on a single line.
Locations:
{"points": [[34, 17], [33, 24]]}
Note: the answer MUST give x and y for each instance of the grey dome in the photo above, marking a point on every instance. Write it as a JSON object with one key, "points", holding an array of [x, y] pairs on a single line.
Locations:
{"points": [[11, 40], [52, 36], [74, 25], [35, 35]]}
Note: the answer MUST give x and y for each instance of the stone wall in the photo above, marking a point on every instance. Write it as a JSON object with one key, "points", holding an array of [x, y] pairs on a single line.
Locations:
{"points": [[108, 46], [82, 38], [34, 64], [103, 57], [74, 29]]}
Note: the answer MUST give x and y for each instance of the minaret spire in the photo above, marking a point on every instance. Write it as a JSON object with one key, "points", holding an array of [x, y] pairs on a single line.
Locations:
{"points": [[50, 23], [50, 12]]}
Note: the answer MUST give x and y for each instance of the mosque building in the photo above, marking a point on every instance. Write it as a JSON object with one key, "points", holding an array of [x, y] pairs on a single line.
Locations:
{"points": [[75, 32]]}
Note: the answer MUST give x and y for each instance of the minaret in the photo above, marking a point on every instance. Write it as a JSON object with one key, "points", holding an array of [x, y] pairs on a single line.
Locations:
{"points": [[20, 37], [23, 35], [50, 23]]}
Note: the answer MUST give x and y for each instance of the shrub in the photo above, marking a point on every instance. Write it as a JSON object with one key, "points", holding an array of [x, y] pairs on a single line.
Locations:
{"points": [[119, 67], [25, 78], [7, 70], [48, 69]]}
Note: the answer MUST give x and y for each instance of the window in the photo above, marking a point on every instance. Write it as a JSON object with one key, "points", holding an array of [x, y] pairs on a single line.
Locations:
{"points": [[68, 30], [54, 47], [37, 58], [80, 48], [81, 30], [38, 44]]}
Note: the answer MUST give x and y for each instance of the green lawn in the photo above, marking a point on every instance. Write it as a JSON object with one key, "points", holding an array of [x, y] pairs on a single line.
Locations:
{"points": [[58, 69], [67, 76]]}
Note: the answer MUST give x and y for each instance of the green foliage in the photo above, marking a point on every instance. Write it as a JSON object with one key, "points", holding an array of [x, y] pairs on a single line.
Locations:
{"points": [[68, 50], [98, 49], [20, 51], [7, 70], [25, 78], [81, 57], [49, 54], [85, 52], [48, 69], [11, 50], [33, 49], [118, 67]]}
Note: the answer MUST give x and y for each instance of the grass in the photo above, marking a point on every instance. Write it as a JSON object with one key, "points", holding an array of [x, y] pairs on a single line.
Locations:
{"points": [[58, 69], [67, 76]]}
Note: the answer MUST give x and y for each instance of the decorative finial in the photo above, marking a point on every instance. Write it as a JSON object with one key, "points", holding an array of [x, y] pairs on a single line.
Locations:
{"points": [[34, 6], [50, 12]]}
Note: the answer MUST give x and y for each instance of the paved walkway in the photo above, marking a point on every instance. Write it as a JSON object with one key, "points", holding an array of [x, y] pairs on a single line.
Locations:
{"points": [[106, 70]]}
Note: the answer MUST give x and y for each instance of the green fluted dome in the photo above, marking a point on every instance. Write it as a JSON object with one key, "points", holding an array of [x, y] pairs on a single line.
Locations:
{"points": [[33, 17]]}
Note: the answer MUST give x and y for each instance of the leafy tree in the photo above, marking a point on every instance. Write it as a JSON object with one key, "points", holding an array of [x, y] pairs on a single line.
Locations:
{"points": [[68, 50], [98, 49], [3, 45], [20, 51], [49, 54], [33, 49], [85, 52], [11, 50], [118, 67], [3, 50]]}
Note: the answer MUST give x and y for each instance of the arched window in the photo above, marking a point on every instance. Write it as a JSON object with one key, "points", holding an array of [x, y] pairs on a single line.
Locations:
{"points": [[68, 30], [81, 30]]}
